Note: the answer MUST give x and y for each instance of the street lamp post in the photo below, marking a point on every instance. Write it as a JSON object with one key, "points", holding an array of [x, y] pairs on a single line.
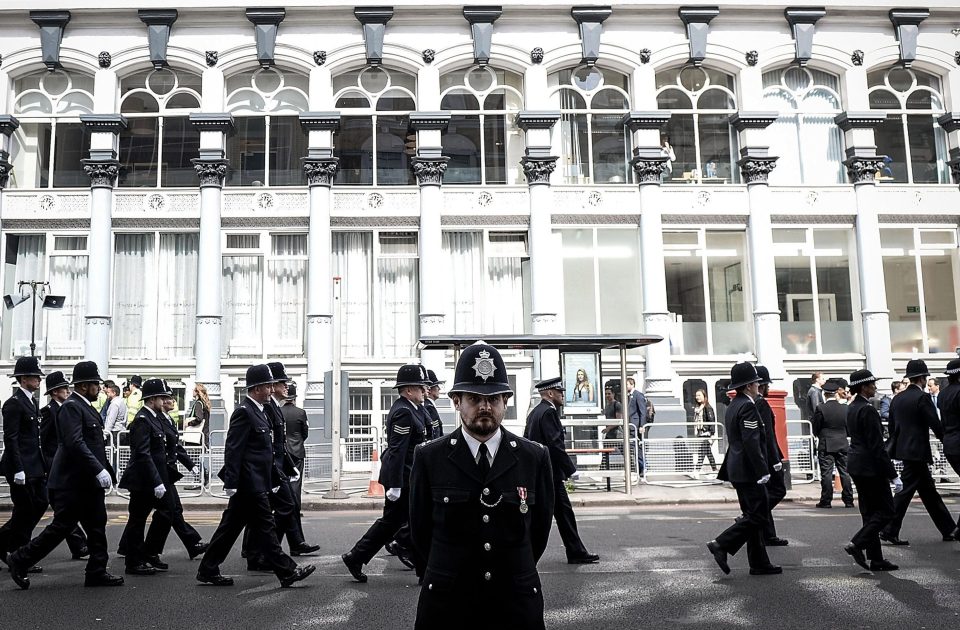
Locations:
{"points": [[36, 287]]}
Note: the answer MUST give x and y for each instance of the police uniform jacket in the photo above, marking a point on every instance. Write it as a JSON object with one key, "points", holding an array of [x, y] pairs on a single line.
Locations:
{"points": [[49, 440], [773, 453], [147, 468], [283, 463], [433, 416], [298, 430], [867, 456], [480, 553], [175, 451], [949, 404], [21, 438], [544, 426], [913, 416], [82, 453], [830, 426], [746, 459], [406, 428], [248, 464]]}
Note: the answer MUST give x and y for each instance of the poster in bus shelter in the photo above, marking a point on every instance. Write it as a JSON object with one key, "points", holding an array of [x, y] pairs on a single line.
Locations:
{"points": [[581, 378]]}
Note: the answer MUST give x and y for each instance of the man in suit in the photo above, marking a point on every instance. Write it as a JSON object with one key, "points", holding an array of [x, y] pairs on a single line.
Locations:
{"points": [[814, 394], [544, 427], [79, 477], [637, 407], [248, 478], [433, 393], [872, 471], [745, 466], [949, 405], [481, 503], [295, 420], [830, 429], [776, 487], [406, 428]]}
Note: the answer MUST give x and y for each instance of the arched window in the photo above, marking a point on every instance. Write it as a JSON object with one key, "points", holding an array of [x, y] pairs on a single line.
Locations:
{"points": [[481, 141], [158, 143], [915, 146], [375, 98], [701, 143], [268, 143], [47, 148], [593, 140], [805, 136]]}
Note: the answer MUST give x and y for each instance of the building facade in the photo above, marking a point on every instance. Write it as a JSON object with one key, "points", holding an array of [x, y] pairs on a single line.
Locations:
{"points": [[210, 186]]}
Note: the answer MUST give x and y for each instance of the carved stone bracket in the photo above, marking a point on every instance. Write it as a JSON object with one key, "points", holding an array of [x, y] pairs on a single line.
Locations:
{"points": [[210, 172], [863, 170], [648, 170], [755, 170], [102, 173], [538, 170], [321, 172], [429, 171]]}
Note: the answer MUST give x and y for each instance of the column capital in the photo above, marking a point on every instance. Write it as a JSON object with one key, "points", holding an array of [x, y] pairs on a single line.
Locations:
{"points": [[5, 168], [863, 169], [429, 171], [320, 171], [648, 164], [538, 169], [104, 123], [102, 173], [8, 124], [756, 164], [211, 173]]}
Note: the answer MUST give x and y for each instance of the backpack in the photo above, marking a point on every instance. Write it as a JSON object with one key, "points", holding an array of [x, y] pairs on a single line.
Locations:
{"points": [[651, 410]]}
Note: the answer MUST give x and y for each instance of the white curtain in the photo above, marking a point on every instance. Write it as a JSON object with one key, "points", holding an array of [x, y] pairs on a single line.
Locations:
{"points": [[397, 321], [242, 296], [463, 282], [288, 279], [177, 280], [133, 293], [68, 277], [352, 261], [504, 296], [30, 257]]}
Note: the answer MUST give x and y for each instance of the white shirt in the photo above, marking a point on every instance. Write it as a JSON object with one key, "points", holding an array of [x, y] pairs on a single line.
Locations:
{"points": [[29, 395], [116, 412], [259, 406], [493, 444]]}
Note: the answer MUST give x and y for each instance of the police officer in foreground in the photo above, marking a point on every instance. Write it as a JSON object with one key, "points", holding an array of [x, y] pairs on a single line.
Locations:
{"points": [[830, 429], [247, 476], [544, 427], [79, 477], [407, 426], [481, 503], [777, 486], [745, 466]]}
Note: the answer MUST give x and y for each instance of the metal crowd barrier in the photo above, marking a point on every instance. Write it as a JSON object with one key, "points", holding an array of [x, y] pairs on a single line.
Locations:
{"points": [[682, 455], [4, 490], [802, 452], [940, 469]]}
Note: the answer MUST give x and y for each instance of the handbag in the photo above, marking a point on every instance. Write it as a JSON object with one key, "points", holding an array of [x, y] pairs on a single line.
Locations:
{"points": [[192, 434]]}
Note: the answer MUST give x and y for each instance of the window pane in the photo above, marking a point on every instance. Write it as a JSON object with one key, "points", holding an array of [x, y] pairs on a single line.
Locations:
{"points": [[25, 254], [575, 148], [459, 100], [718, 146], [609, 99], [30, 154], [579, 286], [393, 161], [923, 149], [68, 277], [903, 301], [463, 253], [289, 279], [610, 161], [352, 256], [679, 133], [138, 153], [246, 151], [940, 301], [618, 258], [731, 333], [461, 143], [796, 299], [242, 296], [838, 330], [686, 300], [504, 287], [288, 144], [397, 320], [395, 101], [495, 148], [889, 139], [353, 144], [177, 286], [72, 145], [133, 291], [181, 143]]}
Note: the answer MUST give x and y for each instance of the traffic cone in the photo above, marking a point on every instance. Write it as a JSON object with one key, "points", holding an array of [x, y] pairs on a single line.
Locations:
{"points": [[837, 486], [374, 489]]}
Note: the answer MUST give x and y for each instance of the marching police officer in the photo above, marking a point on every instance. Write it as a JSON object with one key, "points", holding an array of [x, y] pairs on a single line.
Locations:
{"points": [[407, 426], [745, 466], [248, 478], [872, 472], [481, 504], [433, 393], [830, 428], [544, 427], [776, 487], [79, 477], [949, 405], [297, 429]]}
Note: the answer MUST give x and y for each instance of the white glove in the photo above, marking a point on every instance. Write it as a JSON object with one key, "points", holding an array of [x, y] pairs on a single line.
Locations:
{"points": [[159, 491], [763, 480], [275, 490], [296, 476], [897, 485], [229, 492], [393, 494], [778, 467], [194, 470], [103, 478], [575, 475], [20, 478]]}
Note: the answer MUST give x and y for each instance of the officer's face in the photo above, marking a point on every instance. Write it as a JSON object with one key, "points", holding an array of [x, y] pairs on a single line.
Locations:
{"points": [[481, 415], [434, 392], [414, 393], [168, 403], [260, 393], [30, 383], [280, 390], [753, 390], [60, 394], [868, 390]]}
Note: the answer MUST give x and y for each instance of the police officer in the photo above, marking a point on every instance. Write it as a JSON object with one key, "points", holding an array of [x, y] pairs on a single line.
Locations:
{"points": [[433, 393], [79, 477], [544, 427], [776, 487], [745, 466], [248, 476], [872, 472], [912, 417], [481, 503], [297, 429], [949, 404], [830, 429], [407, 426]]}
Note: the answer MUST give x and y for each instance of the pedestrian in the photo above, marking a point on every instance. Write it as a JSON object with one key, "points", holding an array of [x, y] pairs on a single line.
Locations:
{"points": [[544, 427], [639, 413], [745, 466], [949, 405], [197, 428], [298, 430], [776, 487], [115, 412], [933, 388], [872, 472], [830, 430], [704, 425], [481, 504], [247, 476], [407, 426], [433, 393], [134, 398], [895, 387], [79, 478], [912, 418], [814, 394]]}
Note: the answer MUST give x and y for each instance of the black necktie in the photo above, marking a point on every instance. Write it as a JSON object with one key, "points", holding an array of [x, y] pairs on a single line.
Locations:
{"points": [[484, 462]]}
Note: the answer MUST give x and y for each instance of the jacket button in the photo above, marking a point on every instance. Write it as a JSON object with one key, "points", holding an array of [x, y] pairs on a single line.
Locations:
{"points": [[446, 499], [486, 546], [487, 576], [486, 518], [534, 590], [486, 492], [430, 587]]}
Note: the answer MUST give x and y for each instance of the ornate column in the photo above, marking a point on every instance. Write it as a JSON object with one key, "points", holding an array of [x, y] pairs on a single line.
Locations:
{"points": [[102, 167]]}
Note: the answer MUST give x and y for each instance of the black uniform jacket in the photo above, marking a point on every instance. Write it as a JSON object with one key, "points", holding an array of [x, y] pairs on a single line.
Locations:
{"points": [[473, 553], [406, 428], [867, 456], [773, 453], [21, 438], [830, 426], [746, 458], [82, 453], [544, 426], [49, 440], [949, 403], [433, 415], [147, 467], [283, 463], [298, 430], [912, 417], [248, 451], [175, 451]]}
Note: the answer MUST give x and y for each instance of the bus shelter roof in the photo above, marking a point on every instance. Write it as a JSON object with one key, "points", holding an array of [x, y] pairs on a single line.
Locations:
{"points": [[566, 343]]}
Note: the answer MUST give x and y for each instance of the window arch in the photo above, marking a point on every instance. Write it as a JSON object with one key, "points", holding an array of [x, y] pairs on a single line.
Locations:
{"points": [[481, 141], [159, 142], [381, 99], [268, 143], [915, 146], [699, 140], [592, 139], [47, 148], [805, 136]]}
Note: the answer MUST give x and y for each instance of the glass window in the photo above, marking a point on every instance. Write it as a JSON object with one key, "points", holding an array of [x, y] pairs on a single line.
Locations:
{"points": [[699, 142], [287, 269]]}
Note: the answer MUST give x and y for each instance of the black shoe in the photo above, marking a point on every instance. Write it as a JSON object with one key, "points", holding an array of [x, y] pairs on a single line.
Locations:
{"points": [[103, 579], [882, 565], [776, 541], [3, 556], [81, 553], [719, 555], [849, 505], [122, 552], [18, 573], [857, 554], [825, 506], [155, 562], [138, 569], [406, 558], [392, 547], [355, 567], [197, 550], [302, 572], [954, 535], [587, 558], [770, 569], [303, 549], [893, 540], [214, 580], [255, 564]]}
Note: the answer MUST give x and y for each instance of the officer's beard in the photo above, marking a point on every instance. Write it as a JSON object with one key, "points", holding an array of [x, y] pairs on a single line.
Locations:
{"points": [[481, 426]]}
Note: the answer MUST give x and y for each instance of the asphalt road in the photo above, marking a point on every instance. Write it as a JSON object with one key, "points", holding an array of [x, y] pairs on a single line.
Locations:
{"points": [[655, 573]]}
